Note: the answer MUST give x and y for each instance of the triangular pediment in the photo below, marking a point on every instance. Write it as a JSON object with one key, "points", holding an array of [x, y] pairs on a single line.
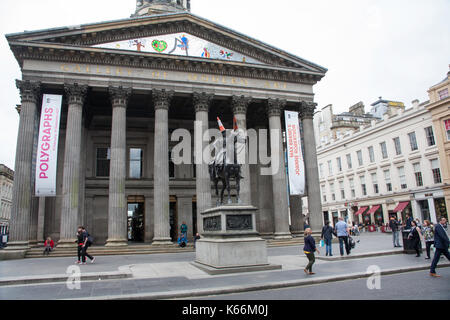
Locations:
{"points": [[180, 44]]}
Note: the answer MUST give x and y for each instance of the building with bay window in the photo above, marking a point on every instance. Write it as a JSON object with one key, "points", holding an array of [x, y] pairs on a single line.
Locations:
{"points": [[391, 166], [127, 86]]}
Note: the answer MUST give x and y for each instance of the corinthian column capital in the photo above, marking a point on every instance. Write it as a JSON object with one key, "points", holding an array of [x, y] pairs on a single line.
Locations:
{"points": [[275, 106], [202, 101], [29, 90], [76, 93], [162, 98], [119, 96], [240, 104], [307, 109]]}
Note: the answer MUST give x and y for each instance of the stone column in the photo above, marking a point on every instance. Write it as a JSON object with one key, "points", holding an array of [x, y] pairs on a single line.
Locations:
{"points": [[40, 236], [240, 106], [162, 99], [265, 191], [296, 211], [202, 102], [279, 179], [432, 209], [117, 203], [149, 227], [23, 175], [72, 161], [311, 167]]}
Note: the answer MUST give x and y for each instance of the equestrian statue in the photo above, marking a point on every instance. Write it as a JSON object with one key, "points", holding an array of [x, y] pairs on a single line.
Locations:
{"points": [[225, 166]]}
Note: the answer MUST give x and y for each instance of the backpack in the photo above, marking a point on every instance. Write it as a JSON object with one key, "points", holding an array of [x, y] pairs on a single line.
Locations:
{"points": [[351, 242]]}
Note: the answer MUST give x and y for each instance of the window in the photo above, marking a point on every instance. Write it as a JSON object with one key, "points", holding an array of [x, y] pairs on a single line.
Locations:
{"points": [[413, 141], [436, 171], [352, 187], [398, 147], [349, 161], [402, 177], [103, 160], [321, 170], [387, 179], [443, 94], [362, 179], [371, 155], [324, 195], [430, 136], [136, 163], [447, 128], [418, 175], [330, 168], [333, 195], [384, 152], [375, 183], [341, 187], [339, 164], [360, 159]]}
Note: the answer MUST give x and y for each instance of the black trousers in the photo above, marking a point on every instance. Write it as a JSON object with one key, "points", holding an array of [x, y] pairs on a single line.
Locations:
{"points": [[417, 246], [82, 253], [428, 245], [311, 257]]}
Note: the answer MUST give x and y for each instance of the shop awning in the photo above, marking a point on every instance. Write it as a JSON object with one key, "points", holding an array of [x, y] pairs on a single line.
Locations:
{"points": [[361, 210], [401, 206], [373, 209]]}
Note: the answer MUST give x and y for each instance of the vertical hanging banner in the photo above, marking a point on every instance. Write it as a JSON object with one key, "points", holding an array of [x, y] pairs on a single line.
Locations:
{"points": [[296, 165], [47, 150]]}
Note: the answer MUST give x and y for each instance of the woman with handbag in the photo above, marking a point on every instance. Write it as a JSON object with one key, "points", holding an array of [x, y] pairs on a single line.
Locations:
{"points": [[428, 235], [415, 236]]}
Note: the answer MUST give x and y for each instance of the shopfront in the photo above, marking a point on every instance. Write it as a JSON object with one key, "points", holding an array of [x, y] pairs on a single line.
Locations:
{"points": [[377, 212]]}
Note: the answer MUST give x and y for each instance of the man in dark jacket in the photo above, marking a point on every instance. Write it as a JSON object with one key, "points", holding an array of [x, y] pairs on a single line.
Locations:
{"points": [[327, 237], [393, 224], [441, 243]]}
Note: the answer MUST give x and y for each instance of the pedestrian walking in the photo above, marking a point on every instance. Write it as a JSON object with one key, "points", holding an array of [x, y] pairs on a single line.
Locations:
{"points": [[415, 235], [327, 237], [408, 222], [309, 249], [394, 225], [49, 244], [441, 243], [428, 236], [84, 240], [342, 232]]}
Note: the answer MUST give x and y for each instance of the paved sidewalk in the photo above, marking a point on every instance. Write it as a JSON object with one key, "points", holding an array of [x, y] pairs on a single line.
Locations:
{"points": [[165, 276]]}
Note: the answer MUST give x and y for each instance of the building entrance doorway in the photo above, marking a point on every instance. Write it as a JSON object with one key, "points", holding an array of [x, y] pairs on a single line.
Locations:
{"points": [[136, 223], [173, 219]]}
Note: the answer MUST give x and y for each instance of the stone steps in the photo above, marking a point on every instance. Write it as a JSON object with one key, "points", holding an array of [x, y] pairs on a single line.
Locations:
{"points": [[140, 249]]}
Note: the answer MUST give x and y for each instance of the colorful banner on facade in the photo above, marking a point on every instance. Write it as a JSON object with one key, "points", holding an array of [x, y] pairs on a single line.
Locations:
{"points": [[296, 165], [47, 150]]}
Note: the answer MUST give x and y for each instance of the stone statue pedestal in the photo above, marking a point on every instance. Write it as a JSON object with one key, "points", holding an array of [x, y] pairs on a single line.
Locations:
{"points": [[230, 242]]}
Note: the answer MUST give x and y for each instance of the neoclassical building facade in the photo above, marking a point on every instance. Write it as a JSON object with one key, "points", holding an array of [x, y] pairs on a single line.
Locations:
{"points": [[126, 86]]}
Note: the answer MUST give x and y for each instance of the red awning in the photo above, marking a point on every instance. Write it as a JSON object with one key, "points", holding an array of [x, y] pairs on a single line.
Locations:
{"points": [[361, 210], [373, 209], [401, 206]]}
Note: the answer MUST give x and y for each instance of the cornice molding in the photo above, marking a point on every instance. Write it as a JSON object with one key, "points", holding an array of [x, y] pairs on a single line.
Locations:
{"points": [[98, 56]]}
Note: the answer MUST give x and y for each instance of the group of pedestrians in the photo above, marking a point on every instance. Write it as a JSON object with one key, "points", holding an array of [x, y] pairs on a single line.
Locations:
{"points": [[432, 235]]}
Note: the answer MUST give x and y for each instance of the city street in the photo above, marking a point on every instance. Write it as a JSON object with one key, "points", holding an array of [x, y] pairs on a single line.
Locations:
{"points": [[171, 276]]}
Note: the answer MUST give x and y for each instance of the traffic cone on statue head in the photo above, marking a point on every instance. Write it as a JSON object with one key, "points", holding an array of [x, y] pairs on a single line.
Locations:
{"points": [[221, 127]]}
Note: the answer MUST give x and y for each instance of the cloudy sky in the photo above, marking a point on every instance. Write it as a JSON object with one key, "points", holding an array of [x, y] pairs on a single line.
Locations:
{"points": [[396, 49]]}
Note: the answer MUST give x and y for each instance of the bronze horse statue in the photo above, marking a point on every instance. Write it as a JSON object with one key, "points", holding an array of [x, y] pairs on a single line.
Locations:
{"points": [[223, 170]]}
